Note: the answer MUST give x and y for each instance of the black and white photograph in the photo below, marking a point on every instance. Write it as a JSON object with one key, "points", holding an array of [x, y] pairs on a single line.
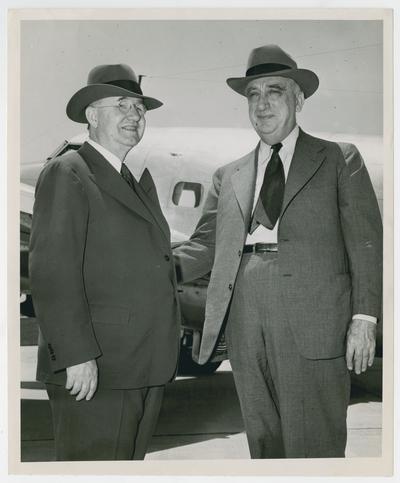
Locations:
{"points": [[205, 254]]}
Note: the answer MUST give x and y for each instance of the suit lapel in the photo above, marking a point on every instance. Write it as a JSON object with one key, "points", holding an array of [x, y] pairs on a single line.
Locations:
{"points": [[243, 182], [150, 199], [307, 158], [106, 177], [148, 186]]}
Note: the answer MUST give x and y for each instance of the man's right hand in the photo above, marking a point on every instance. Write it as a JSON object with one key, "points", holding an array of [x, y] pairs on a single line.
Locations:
{"points": [[82, 380]]}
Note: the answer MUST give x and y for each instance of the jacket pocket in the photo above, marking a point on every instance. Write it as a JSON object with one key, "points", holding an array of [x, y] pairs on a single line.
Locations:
{"points": [[108, 314]]}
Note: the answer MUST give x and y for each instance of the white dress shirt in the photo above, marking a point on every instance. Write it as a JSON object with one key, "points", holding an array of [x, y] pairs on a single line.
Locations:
{"points": [[115, 162], [261, 233]]}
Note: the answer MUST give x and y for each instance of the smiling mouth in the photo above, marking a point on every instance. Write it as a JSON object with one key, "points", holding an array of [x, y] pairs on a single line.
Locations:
{"points": [[265, 117], [130, 128]]}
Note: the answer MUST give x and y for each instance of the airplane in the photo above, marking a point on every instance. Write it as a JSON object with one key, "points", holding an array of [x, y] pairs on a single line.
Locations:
{"points": [[181, 161]]}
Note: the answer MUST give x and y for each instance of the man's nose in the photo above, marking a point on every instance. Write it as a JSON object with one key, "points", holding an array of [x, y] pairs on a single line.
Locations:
{"points": [[263, 101], [134, 112]]}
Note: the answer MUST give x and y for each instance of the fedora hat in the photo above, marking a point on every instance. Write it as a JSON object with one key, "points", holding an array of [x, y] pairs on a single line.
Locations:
{"points": [[272, 61], [107, 81]]}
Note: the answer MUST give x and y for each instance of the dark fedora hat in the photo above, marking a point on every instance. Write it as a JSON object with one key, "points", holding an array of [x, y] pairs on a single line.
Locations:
{"points": [[272, 61], [107, 81]]}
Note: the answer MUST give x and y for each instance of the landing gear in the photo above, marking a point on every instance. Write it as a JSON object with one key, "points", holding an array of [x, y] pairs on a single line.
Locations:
{"points": [[187, 366]]}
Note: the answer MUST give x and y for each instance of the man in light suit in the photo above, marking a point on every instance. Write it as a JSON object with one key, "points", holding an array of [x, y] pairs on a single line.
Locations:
{"points": [[293, 235], [103, 280]]}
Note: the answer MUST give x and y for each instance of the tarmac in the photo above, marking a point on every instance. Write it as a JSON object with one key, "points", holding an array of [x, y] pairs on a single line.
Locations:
{"points": [[200, 420]]}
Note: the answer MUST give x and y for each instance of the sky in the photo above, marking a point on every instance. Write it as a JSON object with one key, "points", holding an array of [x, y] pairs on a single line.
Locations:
{"points": [[186, 64]]}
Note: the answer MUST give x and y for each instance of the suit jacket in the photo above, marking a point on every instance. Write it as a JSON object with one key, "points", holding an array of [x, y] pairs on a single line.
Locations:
{"points": [[329, 237], [102, 275]]}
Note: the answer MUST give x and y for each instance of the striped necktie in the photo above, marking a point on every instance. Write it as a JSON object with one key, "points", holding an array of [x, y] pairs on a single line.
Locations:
{"points": [[128, 176]]}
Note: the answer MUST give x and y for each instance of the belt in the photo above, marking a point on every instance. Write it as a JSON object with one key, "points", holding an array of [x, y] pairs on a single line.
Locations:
{"points": [[260, 248]]}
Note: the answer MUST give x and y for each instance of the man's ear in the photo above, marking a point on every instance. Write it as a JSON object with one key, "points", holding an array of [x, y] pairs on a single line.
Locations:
{"points": [[91, 116], [299, 101]]}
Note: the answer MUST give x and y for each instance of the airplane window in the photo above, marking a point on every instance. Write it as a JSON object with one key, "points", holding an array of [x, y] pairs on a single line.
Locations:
{"points": [[187, 194]]}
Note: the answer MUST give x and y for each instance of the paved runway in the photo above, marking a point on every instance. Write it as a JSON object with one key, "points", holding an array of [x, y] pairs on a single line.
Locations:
{"points": [[200, 419]]}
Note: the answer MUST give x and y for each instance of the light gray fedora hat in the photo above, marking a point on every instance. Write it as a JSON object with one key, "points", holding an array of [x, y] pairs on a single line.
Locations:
{"points": [[272, 61], [107, 81]]}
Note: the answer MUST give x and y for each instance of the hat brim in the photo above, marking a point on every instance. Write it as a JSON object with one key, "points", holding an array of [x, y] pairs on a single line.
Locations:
{"points": [[306, 79], [80, 100]]}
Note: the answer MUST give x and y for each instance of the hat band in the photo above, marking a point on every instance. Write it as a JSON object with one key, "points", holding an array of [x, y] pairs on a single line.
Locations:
{"points": [[127, 84], [267, 69]]}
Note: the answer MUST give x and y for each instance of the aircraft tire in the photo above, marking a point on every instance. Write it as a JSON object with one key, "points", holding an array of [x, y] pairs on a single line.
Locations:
{"points": [[188, 367]]}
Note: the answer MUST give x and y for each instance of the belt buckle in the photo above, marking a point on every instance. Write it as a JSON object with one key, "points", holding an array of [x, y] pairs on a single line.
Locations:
{"points": [[266, 247]]}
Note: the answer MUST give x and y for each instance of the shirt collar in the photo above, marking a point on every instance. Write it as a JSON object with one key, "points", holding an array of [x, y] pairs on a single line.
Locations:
{"points": [[288, 146], [109, 156]]}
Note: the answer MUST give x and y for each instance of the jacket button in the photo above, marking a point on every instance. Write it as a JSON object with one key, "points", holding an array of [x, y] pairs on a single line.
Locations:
{"points": [[239, 253], [166, 257], [230, 286]]}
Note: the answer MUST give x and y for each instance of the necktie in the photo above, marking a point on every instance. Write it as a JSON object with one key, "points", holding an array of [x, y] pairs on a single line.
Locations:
{"points": [[271, 194], [128, 176]]}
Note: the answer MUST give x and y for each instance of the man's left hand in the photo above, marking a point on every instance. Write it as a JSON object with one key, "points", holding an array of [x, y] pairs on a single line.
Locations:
{"points": [[360, 352]]}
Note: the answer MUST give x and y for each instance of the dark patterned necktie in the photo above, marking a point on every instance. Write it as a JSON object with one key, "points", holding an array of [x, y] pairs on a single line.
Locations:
{"points": [[272, 190], [128, 176]]}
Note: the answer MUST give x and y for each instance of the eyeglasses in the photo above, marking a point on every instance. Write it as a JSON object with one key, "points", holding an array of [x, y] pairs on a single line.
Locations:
{"points": [[125, 106]]}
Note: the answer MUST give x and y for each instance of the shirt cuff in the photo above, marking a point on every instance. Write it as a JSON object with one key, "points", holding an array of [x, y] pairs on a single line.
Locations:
{"points": [[368, 318]]}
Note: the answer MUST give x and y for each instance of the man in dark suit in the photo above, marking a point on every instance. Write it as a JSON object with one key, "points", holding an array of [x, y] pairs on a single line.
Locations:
{"points": [[103, 281], [293, 235]]}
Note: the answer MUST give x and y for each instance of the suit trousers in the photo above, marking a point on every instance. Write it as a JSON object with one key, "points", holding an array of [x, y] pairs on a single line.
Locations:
{"points": [[292, 407], [116, 424]]}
